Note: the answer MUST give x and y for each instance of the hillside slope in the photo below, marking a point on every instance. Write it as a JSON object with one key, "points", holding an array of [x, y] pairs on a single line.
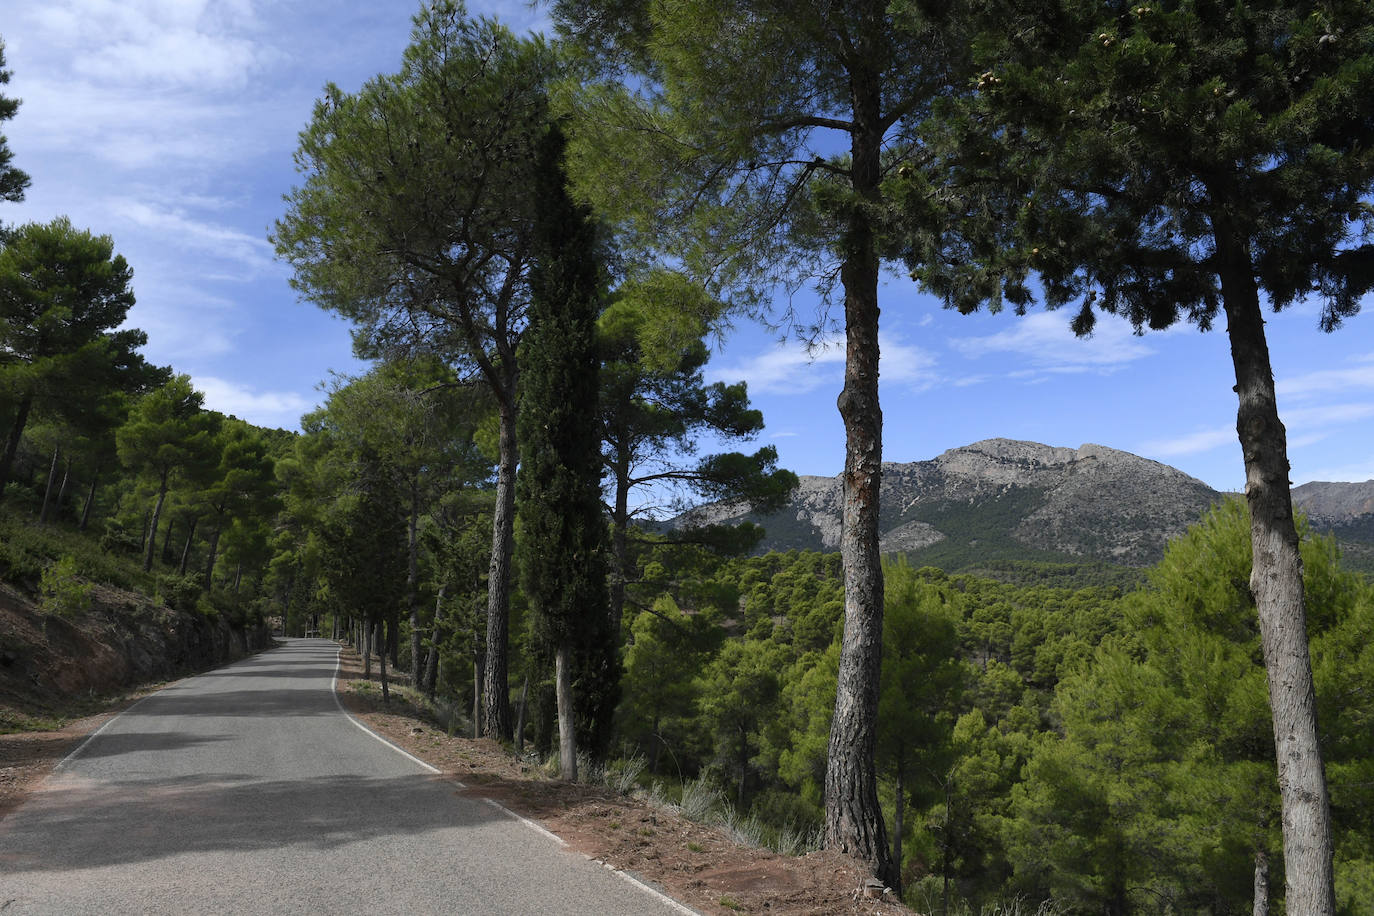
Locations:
{"points": [[1001, 499], [1347, 511]]}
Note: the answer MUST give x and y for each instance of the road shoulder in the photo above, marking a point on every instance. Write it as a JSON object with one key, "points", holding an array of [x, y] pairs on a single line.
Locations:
{"points": [[703, 866]]}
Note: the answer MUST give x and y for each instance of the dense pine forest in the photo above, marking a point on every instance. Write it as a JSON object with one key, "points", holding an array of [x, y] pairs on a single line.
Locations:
{"points": [[475, 511]]}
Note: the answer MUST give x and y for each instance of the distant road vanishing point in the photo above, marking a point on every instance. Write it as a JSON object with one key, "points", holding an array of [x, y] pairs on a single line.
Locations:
{"points": [[247, 790]]}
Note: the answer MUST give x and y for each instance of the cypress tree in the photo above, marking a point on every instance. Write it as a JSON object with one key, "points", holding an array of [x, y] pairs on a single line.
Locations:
{"points": [[563, 563]]}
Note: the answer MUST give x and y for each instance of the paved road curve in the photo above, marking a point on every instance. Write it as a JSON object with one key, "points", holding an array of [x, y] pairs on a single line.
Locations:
{"points": [[248, 790]]}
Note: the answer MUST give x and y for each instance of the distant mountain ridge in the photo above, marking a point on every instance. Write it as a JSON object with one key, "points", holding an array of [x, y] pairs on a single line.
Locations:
{"points": [[1001, 497], [1329, 503], [1001, 503], [1345, 510]]}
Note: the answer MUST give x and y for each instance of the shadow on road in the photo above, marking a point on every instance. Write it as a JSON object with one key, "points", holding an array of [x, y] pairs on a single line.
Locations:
{"points": [[137, 742], [225, 813], [265, 702]]}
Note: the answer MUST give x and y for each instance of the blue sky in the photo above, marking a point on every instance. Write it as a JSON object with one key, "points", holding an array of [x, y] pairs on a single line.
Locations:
{"points": [[170, 125]]}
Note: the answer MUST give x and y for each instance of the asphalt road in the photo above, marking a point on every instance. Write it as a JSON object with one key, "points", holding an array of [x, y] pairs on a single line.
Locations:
{"points": [[247, 790]]}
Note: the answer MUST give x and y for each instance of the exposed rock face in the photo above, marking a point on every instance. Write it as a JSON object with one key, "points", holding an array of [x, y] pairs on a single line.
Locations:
{"points": [[1335, 503], [112, 646], [1092, 502]]}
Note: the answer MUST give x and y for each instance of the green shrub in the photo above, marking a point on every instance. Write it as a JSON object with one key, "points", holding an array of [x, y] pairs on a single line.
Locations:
{"points": [[121, 539], [20, 563], [181, 593], [60, 591]]}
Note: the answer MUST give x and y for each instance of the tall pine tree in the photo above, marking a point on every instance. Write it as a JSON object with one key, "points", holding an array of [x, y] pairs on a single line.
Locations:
{"points": [[563, 563], [12, 180], [1181, 161], [754, 147]]}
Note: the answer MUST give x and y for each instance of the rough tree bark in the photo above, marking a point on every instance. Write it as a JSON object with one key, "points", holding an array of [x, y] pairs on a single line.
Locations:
{"points": [[496, 710], [21, 418], [520, 716], [151, 543], [897, 823], [62, 489], [413, 585], [386, 693], [619, 548], [367, 648], [1277, 586], [186, 548], [431, 683], [212, 553], [567, 735], [476, 699], [47, 490], [1261, 907], [90, 502], [853, 818]]}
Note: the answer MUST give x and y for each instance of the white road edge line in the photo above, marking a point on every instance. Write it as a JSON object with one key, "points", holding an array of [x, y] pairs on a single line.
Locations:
{"points": [[62, 764], [654, 892], [527, 822], [659, 895], [334, 692], [80, 748]]}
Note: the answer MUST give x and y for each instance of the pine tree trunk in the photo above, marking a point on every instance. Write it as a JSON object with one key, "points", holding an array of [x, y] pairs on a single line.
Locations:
{"points": [[186, 548], [212, 552], [620, 522], [47, 490], [412, 589], [432, 658], [393, 638], [853, 817], [567, 734], [520, 716], [476, 700], [367, 649], [152, 526], [496, 712], [898, 815], [1277, 586], [90, 503], [743, 764], [656, 748], [386, 693], [62, 490], [167, 540], [21, 418], [1261, 907]]}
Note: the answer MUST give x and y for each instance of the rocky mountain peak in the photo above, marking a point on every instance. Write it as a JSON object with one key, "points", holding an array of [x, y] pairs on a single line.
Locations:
{"points": [[1004, 494]]}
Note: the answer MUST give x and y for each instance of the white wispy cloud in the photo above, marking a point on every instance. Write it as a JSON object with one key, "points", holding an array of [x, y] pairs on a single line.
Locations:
{"points": [[262, 408], [1305, 426], [1045, 340], [157, 42], [1354, 378], [792, 368], [192, 234], [1310, 418]]}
